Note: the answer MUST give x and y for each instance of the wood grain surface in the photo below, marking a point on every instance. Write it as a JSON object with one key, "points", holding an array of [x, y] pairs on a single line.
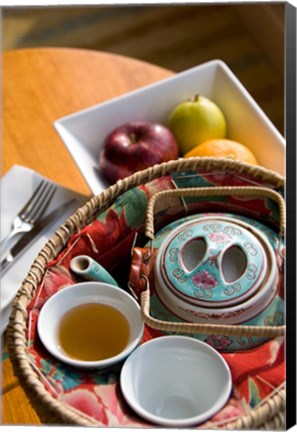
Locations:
{"points": [[39, 86], [248, 37], [42, 85]]}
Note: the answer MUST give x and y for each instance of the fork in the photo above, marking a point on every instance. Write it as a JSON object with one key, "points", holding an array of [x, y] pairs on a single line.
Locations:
{"points": [[32, 210]]}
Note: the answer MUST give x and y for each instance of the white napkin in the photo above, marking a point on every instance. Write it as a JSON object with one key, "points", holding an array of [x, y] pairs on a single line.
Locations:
{"points": [[16, 188]]}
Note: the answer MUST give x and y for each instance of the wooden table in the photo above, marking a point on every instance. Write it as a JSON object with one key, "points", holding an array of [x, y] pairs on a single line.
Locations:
{"points": [[40, 86]]}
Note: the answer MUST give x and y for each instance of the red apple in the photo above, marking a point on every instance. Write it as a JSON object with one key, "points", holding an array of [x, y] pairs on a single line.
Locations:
{"points": [[135, 146]]}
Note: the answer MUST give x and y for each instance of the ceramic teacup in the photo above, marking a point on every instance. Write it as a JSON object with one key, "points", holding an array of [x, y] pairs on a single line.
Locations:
{"points": [[58, 309], [175, 381]]}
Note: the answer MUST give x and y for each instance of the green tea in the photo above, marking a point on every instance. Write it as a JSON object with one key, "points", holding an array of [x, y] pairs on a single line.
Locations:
{"points": [[93, 332]]}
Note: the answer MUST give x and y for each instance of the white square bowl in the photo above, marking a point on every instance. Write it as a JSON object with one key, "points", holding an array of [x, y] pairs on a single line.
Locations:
{"points": [[84, 132]]}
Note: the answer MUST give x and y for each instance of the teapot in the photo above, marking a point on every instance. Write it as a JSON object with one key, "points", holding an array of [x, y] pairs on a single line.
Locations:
{"points": [[215, 276]]}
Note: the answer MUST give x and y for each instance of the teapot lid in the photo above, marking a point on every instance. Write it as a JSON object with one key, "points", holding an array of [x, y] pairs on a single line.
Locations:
{"points": [[212, 263]]}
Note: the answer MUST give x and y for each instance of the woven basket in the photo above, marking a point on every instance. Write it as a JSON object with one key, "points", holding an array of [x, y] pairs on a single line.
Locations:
{"points": [[271, 412]]}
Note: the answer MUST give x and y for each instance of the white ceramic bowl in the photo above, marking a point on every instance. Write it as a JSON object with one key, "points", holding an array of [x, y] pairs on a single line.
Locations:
{"points": [[175, 381], [84, 132], [88, 292]]}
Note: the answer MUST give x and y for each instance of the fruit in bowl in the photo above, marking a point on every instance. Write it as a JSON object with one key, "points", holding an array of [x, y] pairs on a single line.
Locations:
{"points": [[223, 148], [135, 146], [196, 120]]}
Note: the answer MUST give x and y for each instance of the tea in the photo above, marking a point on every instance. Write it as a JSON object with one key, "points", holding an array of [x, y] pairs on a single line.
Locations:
{"points": [[93, 332]]}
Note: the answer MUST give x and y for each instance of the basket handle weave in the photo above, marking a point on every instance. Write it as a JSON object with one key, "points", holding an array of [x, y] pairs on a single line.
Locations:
{"points": [[241, 191], [218, 329]]}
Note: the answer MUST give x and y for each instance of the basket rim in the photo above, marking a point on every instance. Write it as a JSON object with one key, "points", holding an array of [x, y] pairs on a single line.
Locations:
{"points": [[16, 330]]}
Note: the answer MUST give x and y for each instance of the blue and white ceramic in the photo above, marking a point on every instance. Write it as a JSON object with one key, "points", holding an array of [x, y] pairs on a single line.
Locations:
{"points": [[212, 262], [218, 268], [91, 270]]}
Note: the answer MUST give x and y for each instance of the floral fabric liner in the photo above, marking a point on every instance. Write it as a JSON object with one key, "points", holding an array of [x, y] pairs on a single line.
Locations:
{"points": [[257, 373]]}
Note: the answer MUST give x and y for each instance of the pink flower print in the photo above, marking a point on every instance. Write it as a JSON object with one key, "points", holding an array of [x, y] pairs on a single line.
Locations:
{"points": [[234, 408], [220, 343], [55, 279], [219, 237], [204, 280], [85, 401], [109, 395]]}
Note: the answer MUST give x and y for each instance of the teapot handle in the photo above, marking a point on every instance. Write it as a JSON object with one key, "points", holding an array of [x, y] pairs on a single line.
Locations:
{"points": [[241, 191]]}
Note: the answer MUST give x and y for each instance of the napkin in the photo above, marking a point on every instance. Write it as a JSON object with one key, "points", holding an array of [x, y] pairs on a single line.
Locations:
{"points": [[16, 188]]}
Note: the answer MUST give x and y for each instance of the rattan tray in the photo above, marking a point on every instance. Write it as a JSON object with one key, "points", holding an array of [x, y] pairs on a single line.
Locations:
{"points": [[270, 414]]}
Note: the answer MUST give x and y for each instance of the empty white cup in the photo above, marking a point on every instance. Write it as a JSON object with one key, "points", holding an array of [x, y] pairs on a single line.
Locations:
{"points": [[175, 381]]}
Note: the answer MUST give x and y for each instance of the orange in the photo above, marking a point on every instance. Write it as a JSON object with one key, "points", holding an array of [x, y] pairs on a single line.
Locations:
{"points": [[223, 148]]}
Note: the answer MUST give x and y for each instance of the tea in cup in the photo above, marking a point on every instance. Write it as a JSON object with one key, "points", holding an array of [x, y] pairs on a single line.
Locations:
{"points": [[90, 325]]}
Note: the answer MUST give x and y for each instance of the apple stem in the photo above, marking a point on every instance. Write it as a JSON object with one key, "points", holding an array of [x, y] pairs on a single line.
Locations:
{"points": [[196, 97], [133, 138]]}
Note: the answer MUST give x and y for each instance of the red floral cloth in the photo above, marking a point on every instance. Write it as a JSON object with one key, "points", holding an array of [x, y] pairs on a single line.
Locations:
{"points": [[256, 373]]}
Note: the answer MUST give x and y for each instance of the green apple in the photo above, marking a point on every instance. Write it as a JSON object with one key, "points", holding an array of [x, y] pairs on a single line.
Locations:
{"points": [[196, 120]]}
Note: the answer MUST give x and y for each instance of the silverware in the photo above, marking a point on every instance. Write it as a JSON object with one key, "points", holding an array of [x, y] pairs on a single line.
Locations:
{"points": [[28, 237], [32, 211]]}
